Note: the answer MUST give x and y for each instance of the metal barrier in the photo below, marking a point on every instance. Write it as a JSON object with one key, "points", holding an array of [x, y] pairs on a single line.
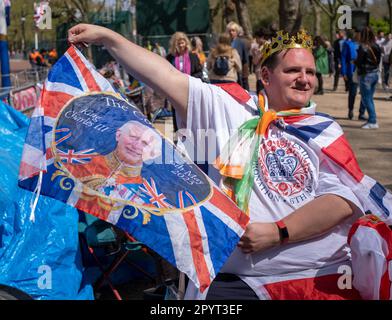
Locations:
{"points": [[24, 92], [29, 77]]}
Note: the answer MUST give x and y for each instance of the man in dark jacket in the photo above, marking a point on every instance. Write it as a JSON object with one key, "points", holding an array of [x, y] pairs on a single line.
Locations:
{"points": [[349, 55], [337, 47]]}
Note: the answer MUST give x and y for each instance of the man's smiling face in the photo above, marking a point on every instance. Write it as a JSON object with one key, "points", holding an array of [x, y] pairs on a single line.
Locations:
{"points": [[291, 83], [133, 143]]}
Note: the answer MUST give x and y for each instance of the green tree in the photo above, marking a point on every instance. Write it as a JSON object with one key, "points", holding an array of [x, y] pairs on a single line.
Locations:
{"points": [[330, 8]]}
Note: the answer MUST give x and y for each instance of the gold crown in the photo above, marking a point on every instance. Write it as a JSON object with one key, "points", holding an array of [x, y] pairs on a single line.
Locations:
{"points": [[283, 41]]}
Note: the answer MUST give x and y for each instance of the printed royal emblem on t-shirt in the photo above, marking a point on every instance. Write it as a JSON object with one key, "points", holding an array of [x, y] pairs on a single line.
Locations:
{"points": [[284, 166]]}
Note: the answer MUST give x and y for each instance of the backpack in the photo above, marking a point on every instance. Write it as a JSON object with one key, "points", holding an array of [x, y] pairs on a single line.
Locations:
{"points": [[221, 65]]}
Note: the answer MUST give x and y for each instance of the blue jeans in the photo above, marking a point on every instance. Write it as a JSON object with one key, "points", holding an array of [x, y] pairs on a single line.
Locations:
{"points": [[367, 85]]}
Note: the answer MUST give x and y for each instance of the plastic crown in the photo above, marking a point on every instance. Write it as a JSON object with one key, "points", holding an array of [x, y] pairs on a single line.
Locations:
{"points": [[283, 41]]}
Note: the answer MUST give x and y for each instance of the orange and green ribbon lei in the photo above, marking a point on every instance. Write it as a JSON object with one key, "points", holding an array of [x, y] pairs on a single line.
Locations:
{"points": [[238, 180]]}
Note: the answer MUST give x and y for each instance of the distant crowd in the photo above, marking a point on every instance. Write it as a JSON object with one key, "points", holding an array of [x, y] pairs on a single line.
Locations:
{"points": [[42, 57], [356, 57]]}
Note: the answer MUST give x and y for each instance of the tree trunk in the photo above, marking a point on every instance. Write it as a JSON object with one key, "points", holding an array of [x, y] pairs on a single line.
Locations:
{"points": [[217, 17], [316, 18], [229, 11], [332, 28], [290, 16], [243, 16]]}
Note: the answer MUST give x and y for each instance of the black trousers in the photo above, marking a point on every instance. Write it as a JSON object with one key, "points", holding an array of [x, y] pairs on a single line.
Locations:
{"points": [[228, 286], [336, 75], [320, 82]]}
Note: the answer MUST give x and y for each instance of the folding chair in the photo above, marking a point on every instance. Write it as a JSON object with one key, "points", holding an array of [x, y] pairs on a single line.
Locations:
{"points": [[97, 234]]}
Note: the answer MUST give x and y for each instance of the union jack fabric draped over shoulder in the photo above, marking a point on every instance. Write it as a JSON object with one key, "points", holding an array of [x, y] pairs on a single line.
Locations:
{"points": [[325, 136], [92, 149]]}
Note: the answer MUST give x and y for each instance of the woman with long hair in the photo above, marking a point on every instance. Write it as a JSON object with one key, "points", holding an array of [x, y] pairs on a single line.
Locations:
{"points": [[368, 61], [239, 43], [181, 56], [197, 48], [224, 62]]}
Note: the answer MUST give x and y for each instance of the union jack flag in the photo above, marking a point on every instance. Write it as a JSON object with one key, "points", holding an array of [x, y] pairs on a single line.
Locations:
{"points": [[182, 196], [65, 137], [71, 77], [155, 197], [197, 238], [325, 135], [70, 156]]}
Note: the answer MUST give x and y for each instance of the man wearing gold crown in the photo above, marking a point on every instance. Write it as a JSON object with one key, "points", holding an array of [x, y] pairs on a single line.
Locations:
{"points": [[289, 168]]}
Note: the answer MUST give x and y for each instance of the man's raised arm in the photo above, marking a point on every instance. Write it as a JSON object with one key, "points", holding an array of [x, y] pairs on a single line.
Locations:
{"points": [[145, 65]]}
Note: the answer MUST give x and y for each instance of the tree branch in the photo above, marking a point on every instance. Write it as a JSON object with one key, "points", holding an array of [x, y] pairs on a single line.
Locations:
{"points": [[323, 7], [101, 6]]}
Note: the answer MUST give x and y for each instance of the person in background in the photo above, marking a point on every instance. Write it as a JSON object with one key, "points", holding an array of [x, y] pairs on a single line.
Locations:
{"points": [[331, 66], [368, 61], [321, 57], [246, 69], [261, 37], [160, 50], [253, 47], [337, 53], [53, 56], [36, 59], [148, 45], [349, 55], [197, 48], [390, 63], [117, 83], [380, 38], [239, 44], [182, 58], [386, 47], [224, 62], [32, 58], [43, 61]]}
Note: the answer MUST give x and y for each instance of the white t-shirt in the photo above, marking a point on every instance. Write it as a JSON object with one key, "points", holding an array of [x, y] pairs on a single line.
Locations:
{"points": [[288, 175]]}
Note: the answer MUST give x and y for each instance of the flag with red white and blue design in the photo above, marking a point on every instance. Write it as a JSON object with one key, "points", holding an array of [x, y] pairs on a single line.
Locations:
{"points": [[325, 136], [90, 148]]}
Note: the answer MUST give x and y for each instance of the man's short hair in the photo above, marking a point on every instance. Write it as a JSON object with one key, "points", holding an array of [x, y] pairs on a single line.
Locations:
{"points": [[157, 143]]}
